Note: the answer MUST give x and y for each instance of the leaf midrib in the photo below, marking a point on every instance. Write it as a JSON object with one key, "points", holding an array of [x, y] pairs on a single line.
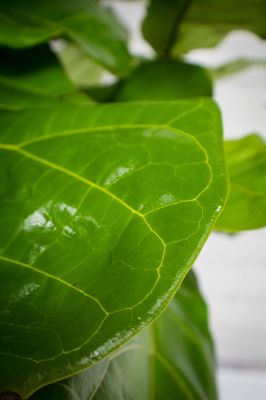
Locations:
{"points": [[18, 150]]}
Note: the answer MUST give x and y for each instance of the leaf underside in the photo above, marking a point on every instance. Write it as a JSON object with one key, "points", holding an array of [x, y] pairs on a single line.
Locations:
{"points": [[172, 359], [103, 211], [27, 23]]}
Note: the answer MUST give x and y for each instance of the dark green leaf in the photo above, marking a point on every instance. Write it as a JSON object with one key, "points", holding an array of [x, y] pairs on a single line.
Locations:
{"points": [[105, 93], [103, 210], [246, 205], [172, 359], [208, 21], [183, 25], [34, 77], [35, 70], [160, 25], [26, 23], [165, 80]]}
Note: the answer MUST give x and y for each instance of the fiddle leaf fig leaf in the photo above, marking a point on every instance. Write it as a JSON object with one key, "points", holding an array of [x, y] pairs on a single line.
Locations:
{"points": [[103, 210], [236, 66], [160, 25], [207, 22], [94, 29], [78, 66], [165, 80], [195, 24], [172, 359], [34, 77], [246, 205]]}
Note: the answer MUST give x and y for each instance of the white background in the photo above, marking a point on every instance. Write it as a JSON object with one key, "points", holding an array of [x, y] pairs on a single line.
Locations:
{"points": [[232, 270]]}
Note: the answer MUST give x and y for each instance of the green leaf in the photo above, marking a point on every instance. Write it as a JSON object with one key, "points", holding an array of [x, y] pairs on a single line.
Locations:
{"points": [[103, 210], [172, 359], [34, 77], [246, 206], [104, 93], [208, 21], [236, 66], [26, 23], [160, 25], [177, 26], [165, 80], [79, 67]]}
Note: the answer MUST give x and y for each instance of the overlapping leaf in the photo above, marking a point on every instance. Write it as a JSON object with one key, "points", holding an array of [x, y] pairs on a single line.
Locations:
{"points": [[195, 23], [157, 80], [79, 67], [165, 80], [161, 23], [172, 359], [103, 211], [34, 77], [246, 205], [25, 23]]}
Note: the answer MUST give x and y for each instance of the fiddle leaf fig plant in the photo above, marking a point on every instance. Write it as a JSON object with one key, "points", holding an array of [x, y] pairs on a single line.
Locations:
{"points": [[174, 355], [107, 195], [109, 208]]}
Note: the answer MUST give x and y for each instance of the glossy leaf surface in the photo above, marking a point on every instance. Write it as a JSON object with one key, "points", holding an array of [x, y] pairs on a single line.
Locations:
{"points": [[201, 23], [165, 80], [246, 205], [172, 359], [34, 77], [103, 211], [26, 23]]}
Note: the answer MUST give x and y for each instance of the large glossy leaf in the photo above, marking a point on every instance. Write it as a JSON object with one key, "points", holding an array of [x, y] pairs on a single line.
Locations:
{"points": [[246, 205], [34, 77], [165, 80], [201, 23], [103, 211], [172, 359], [25, 23]]}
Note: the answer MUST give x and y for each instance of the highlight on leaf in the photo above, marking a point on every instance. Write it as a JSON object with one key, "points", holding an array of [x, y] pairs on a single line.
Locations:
{"points": [[107, 207]]}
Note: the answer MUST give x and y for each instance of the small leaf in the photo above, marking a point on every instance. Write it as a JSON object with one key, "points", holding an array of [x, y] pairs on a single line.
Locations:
{"points": [[103, 210], [165, 80], [246, 206], [26, 23], [236, 66], [160, 25], [172, 359]]}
